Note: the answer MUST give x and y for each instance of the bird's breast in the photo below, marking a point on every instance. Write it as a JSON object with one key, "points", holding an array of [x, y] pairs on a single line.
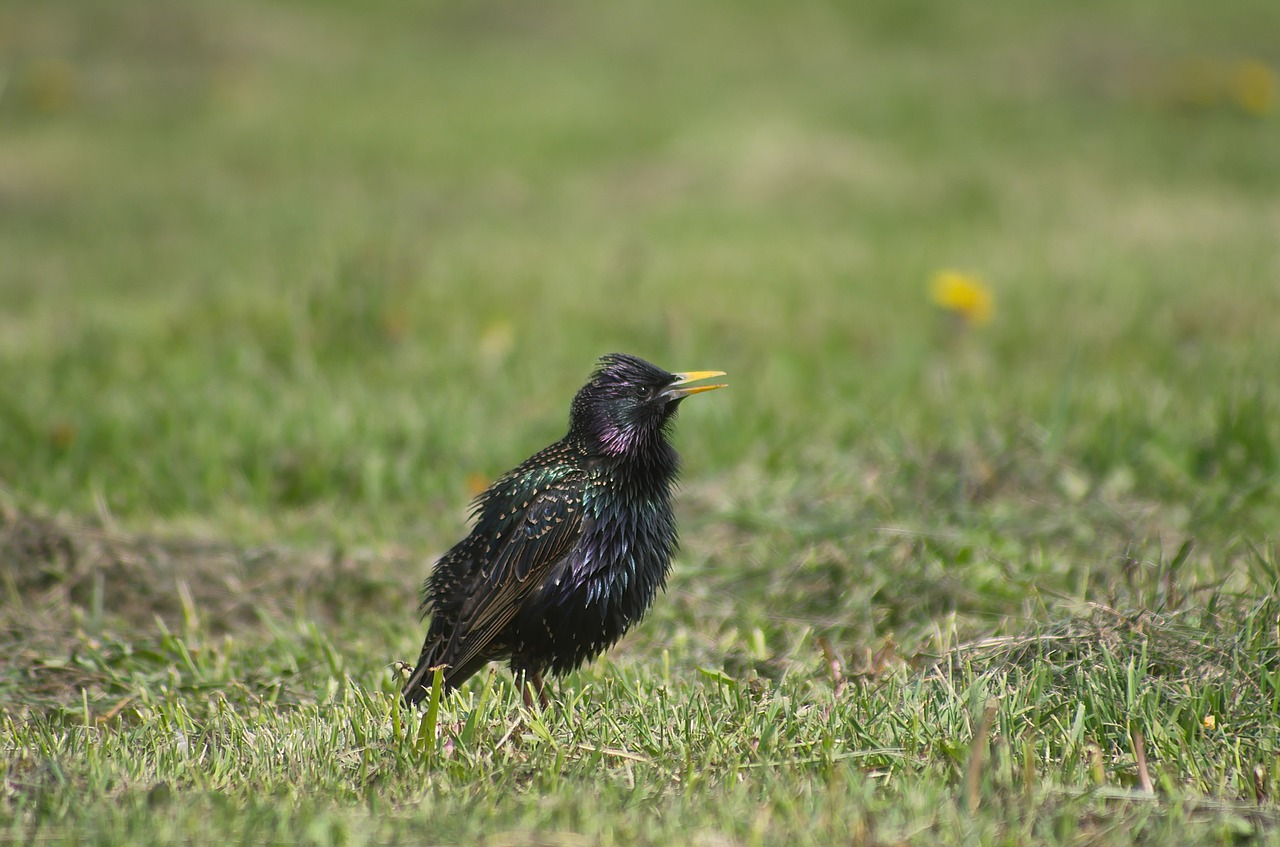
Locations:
{"points": [[624, 556], [604, 585]]}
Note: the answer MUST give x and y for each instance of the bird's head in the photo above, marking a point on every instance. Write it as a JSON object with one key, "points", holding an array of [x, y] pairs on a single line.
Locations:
{"points": [[629, 402]]}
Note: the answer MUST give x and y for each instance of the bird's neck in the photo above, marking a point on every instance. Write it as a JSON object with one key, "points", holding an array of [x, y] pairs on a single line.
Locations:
{"points": [[649, 476], [646, 472]]}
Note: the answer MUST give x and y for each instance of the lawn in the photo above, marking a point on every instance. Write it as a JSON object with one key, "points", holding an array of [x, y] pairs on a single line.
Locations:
{"points": [[285, 284]]}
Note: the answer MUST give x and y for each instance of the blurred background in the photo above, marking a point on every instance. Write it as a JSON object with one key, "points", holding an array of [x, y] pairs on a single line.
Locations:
{"points": [[996, 284], [997, 287]]}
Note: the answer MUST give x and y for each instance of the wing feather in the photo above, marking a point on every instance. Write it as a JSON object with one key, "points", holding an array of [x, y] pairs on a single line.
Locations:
{"points": [[548, 528]]}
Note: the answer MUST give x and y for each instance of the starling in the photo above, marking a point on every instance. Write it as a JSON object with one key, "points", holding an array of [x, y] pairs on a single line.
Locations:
{"points": [[568, 549]]}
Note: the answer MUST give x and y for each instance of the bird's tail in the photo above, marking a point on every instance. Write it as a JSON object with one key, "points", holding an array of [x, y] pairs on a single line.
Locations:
{"points": [[419, 683], [418, 686]]}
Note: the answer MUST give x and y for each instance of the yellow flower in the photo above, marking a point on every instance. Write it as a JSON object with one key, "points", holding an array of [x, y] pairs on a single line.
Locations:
{"points": [[963, 295], [51, 84], [1209, 722], [476, 483], [1252, 85], [496, 341]]}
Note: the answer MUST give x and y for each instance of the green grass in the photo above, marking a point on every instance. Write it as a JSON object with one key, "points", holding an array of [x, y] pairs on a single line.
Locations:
{"points": [[280, 282]]}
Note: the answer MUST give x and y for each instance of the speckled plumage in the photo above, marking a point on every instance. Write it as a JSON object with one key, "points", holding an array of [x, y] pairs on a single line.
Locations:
{"points": [[569, 548]]}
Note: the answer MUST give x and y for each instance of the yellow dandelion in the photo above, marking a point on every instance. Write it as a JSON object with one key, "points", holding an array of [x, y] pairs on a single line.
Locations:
{"points": [[476, 484], [964, 295], [496, 341], [62, 435], [1209, 722], [394, 324], [51, 84], [1252, 86]]}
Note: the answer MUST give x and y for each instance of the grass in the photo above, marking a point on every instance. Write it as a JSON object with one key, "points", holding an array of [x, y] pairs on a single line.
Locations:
{"points": [[283, 282]]}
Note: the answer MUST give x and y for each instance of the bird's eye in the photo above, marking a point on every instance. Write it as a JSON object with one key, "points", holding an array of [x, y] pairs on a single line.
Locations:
{"points": [[643, 391]]}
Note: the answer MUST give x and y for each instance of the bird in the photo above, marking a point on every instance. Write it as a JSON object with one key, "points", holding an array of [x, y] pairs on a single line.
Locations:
{"points": [[568, 549]]}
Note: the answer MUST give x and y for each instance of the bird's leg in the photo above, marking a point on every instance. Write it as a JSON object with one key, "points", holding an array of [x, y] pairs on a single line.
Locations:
{"points": [[543, 699], [533, 685]]}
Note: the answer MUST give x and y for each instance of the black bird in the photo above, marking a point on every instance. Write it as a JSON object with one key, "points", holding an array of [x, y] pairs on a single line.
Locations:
{"points": [[569, 548]]}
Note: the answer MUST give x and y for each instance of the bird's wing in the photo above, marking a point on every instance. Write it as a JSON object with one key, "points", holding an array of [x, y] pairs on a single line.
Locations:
{"points": [[546, 528]]}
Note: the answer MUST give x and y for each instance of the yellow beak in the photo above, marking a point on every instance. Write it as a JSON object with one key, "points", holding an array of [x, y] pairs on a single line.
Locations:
{"points": [[693, 376]]}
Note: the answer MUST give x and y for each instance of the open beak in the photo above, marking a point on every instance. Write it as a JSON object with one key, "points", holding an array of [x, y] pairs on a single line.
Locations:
{"points": [[675, 392]]}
